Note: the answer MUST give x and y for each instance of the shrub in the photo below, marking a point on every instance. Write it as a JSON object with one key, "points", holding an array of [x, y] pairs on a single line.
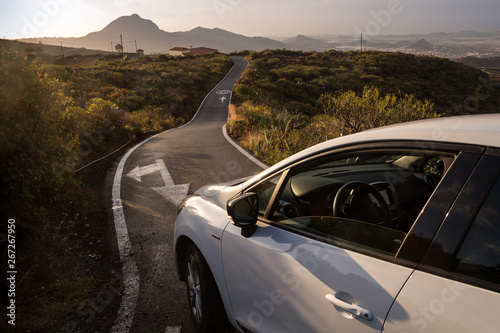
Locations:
{"points": [[370, 109], [149, 119], [273, 135], [34, 148]]}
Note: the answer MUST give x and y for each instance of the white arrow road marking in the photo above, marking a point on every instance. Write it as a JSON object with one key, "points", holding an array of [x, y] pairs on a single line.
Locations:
{"points": [[167, 179], [171, 192], [222, 99], [138, 172], [175, 194]]}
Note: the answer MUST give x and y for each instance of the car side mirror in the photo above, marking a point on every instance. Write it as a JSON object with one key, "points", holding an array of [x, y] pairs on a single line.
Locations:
{"points": [[243, 212]]}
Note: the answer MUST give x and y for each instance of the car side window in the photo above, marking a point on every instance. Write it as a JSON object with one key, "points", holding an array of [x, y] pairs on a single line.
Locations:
{"points": [[367, 201], [479, 255], [265, 192]]}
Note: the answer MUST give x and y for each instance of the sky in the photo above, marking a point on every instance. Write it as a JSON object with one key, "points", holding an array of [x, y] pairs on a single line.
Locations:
{"points": [[280, 18]]}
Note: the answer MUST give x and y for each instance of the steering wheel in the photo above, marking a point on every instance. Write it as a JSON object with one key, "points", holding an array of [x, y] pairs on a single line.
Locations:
{"points": [[360, 206]]}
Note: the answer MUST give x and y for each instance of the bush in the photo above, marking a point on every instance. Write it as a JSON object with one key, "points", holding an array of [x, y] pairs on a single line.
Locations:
{"points": [[370, 110], [273, 135], [34, 148], [149, 119]]}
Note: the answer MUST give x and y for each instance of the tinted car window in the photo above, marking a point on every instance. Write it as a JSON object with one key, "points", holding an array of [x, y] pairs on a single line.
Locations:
{"points": [[265, 191], [368, 200], [479, 255]]}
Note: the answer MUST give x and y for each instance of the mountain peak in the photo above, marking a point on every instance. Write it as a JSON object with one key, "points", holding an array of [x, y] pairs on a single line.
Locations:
{"points": [[130, 24], [422, 45]]}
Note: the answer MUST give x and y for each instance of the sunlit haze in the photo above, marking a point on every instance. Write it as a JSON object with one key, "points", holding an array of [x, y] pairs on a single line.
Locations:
{"points": [[77, 18]]}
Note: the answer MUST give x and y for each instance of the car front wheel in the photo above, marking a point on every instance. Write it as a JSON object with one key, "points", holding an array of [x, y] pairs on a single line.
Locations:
{"points": [[204, 300]]}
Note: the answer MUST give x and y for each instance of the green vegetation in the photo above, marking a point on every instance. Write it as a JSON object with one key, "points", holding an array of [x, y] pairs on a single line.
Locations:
{"points": [[53, 119], [57, 117], [47, 111], [286, 101], [357, 113]]}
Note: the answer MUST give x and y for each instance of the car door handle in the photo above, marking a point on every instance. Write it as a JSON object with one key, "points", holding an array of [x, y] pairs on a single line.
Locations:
{"points": [[353, 309]]}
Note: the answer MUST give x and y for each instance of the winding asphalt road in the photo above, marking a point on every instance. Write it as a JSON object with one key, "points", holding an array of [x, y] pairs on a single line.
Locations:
{"points": [[150, 179]]}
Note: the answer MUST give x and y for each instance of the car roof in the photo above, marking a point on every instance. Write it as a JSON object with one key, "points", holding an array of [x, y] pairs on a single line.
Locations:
{"points": [[480, 130]]}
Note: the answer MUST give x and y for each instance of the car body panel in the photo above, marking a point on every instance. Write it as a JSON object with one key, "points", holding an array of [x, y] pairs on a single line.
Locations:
{"points": [[191, 225], [430, 303], [277, 281]]}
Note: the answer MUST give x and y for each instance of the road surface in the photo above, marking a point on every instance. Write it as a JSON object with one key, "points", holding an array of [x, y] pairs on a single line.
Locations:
{"points": [[148, 183]]}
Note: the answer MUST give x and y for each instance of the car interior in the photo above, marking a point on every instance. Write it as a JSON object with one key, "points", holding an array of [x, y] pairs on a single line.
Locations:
{"points": [[368, 200]]}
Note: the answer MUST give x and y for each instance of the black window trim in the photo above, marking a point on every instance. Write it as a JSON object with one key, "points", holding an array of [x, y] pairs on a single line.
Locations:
{"points": [[485, 175], [459, 278], [427, 224]]}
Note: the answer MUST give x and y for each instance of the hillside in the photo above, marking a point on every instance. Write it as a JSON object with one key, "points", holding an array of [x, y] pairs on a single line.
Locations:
{"points": [[49, 50], [287, 101], [493, 62], [152, 39], [284, 78], [305, 43]]}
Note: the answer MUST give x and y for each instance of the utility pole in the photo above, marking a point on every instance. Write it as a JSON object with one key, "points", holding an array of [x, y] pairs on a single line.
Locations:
{"points": [[112, 52], [121, 43], [361, 42], [62, 50], [135, 46]]}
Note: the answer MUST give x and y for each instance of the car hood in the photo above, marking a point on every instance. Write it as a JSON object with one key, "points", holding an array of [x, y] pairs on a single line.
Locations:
{"points": [[211, 191]]}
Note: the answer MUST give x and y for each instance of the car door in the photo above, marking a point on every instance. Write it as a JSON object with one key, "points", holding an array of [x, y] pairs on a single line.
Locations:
{"points": [[456, 288], [305, 271]]}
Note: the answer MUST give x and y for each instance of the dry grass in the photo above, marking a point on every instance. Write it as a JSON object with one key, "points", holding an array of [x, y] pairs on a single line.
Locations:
{"points": [[233, 114]]}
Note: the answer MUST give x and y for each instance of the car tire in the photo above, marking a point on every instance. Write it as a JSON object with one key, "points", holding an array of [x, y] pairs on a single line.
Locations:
{"points": [[204, 299]]}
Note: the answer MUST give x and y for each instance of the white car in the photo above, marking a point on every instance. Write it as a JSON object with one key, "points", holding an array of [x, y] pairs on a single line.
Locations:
{"points": [[395, 229]]}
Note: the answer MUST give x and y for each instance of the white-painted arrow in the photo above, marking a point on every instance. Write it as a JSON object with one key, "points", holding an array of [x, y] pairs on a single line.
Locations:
{"points": [[175, 194], [138, 172], [222, 99], [171, 192]]}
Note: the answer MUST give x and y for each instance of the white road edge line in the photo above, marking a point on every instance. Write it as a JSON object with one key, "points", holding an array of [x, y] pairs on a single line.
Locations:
{"points": [[243, 151], [237, 146], [130, 273]]}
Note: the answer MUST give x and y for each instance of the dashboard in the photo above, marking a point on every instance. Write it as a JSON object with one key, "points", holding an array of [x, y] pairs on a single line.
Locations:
{"points": [[313, 192]]}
